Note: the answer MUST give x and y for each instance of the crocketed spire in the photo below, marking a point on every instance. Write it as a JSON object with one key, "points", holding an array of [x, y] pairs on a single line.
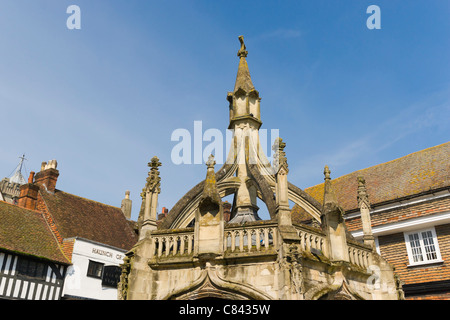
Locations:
{"points": [[243, 79]]}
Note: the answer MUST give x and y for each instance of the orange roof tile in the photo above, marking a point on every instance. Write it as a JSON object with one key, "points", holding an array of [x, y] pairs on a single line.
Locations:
{"points": [[79, 217], [425, 170], [25, 232]]}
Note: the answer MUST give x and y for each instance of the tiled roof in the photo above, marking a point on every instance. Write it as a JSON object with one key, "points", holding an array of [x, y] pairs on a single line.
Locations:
{"points": [[25, 232], [79, 217], [416, 173]]}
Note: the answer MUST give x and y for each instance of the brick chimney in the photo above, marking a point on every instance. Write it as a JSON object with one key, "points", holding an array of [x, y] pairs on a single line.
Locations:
{"points": [[28, 194], [163, 214], [48, 176]]}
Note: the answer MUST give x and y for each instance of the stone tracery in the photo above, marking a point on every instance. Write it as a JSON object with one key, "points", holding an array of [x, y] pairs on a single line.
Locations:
{"points": [[247, 258]]}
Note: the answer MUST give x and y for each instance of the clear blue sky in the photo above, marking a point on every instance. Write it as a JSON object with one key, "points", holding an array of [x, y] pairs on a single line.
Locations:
{"points": [[105, 99]]}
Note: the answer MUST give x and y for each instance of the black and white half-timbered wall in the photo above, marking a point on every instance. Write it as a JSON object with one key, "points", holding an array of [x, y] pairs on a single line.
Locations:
{"points": [[28, 278], [32, 263]]}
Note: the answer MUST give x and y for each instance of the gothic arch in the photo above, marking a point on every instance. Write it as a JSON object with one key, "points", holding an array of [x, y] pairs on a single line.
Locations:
{"points": [[211, 286], [183, 211], [333, 292]]}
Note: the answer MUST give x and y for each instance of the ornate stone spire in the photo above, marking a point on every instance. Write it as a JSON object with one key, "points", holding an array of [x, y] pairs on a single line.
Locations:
{"points": [[242, 53], [284, 219], [243, 79], [210, 189], [280, 160], [209, 221], [364, 208], [333, 222], [329, 198], [244, 100], [363, 198], [150, 199], [153, 179]]}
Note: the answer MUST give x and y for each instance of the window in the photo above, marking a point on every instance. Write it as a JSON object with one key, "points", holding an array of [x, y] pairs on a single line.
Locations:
{"points": [[95, 269], [422, 247], [111, 276], [31, 268]]}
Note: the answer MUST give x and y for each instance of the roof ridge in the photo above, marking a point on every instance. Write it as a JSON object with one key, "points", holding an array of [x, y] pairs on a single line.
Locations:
{"points": [[51, 230], [74, 195]]}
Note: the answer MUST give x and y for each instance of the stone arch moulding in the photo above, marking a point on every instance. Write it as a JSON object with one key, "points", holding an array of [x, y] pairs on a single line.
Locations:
{"points": [[184, 210], [246, 148], [332, 292], [210, 286]]}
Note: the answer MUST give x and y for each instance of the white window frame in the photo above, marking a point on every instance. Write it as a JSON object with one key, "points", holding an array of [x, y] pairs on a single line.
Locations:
{"points": [[422, 247]]}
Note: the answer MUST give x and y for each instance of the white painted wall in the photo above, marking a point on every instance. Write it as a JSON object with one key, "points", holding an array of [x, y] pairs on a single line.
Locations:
{"points": [[77, 283]]}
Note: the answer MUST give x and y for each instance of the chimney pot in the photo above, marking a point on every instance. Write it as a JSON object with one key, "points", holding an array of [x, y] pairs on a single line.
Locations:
{"points": [[31, 177], [28, 196], [48, 176]]}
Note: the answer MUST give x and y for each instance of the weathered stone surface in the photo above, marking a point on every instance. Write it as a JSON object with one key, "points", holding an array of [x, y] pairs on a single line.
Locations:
{"points": [[253, 259]]}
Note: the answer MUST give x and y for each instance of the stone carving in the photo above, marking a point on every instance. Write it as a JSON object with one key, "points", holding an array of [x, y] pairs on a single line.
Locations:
{"points": [[280, 160], [242, 52], [123, 283], [153, 180], [294, 266], [363, 198], [247, 258]]}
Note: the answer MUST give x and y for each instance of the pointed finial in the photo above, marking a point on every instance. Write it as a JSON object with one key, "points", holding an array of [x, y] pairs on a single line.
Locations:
{"points": [[153, 180], [210, 187], [279, 154], [327, 173], [154, 163], [211, 162], [361, 182], [242, 52], [362, 192]]}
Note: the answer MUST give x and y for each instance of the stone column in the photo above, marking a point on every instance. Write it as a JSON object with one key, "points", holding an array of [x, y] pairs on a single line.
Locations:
{"points": [[209, 223], [284, 219], [151, 192], [333, 222], [364, 207]]}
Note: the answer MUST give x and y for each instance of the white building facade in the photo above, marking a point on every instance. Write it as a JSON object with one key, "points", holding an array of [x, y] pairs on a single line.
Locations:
{"points": [[94, 272]]}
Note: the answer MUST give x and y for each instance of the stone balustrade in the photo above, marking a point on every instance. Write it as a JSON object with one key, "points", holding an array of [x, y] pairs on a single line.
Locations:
{"points": [[256, 236], [359, 255], [311, 239], [177, 242], [260, 236]]}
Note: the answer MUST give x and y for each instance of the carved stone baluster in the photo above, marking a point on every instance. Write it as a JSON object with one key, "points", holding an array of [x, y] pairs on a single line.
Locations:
{"points": [[241, 240], [275, 237], [160, 246], [182, 244], [175, 245], [190, 240], [233, 240], [257, 236], [155, 247], [167, 240], [266, 238]]}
